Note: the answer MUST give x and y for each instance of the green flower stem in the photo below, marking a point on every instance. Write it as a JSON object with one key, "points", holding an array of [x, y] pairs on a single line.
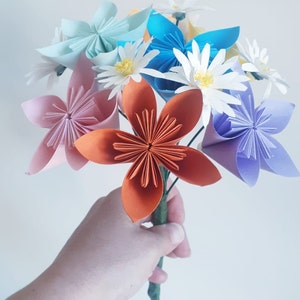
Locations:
{"points": [[195, 136], [122, 114], [159, 217], [189, 144]]}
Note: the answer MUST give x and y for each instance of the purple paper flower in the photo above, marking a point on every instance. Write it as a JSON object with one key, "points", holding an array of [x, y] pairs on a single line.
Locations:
{"points": [[244, 144]]}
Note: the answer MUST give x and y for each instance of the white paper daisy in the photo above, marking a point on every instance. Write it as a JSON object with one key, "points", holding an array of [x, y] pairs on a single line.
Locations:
{"points": [[256, 63], [132, 63], [179, 8], [196, 72], [47, 67]]}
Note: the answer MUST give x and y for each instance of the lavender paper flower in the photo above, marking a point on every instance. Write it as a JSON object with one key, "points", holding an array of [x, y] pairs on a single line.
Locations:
{"points": [[244, 144]]}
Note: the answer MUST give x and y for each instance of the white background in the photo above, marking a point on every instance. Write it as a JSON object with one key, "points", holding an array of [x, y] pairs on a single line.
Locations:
{"points": [[245, 241]]}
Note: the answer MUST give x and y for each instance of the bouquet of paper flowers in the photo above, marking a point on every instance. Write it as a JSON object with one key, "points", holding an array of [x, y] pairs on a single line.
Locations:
{"points": [[119, 70]]}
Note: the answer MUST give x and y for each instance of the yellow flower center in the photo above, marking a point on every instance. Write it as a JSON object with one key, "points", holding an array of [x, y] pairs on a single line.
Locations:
{"points": [[125, 67], [264, 67], [205, 78]]}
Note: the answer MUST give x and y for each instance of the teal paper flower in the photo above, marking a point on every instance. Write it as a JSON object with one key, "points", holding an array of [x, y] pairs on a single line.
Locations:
{"points": [[98, 39], [167, 36]]}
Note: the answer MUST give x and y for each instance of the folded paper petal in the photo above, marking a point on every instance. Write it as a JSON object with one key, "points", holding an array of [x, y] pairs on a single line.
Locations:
{"points": [[196, 168], [97, 146], [83, 76], [167, 36], [244, 144], [36, 110], [139, 202], [74, 158], [100, 36], [63, 54], [41, 158], [85, 110], [281, 112], [107, 11], [137, 97], [218, 39], [280, 162], [179, 108]]}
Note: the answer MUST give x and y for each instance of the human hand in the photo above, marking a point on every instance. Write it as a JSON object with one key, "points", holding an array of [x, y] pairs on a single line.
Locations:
{"points": [[108, 256]]}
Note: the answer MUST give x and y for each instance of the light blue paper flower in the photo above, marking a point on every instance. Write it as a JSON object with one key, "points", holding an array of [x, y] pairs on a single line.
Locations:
{"points": [[244, 144], [98, 39], [167, 36]]}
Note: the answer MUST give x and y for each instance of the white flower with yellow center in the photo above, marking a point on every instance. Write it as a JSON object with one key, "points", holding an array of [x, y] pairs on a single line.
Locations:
{"points": [[255, 61], [179, 8], [132, 63], [196, 72]]}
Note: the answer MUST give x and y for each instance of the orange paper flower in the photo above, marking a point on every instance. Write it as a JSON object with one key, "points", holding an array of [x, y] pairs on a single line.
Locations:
{"points": [[154, 144]]}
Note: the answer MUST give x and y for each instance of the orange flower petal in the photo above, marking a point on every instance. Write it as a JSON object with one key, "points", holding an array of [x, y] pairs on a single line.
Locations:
{"points": [[138, 96], [196, 168], [139, 202], [97, 146], [186, 108]]}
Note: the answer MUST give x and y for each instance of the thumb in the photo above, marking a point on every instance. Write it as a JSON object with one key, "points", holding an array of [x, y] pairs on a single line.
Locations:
{"points": [[169, 236]]}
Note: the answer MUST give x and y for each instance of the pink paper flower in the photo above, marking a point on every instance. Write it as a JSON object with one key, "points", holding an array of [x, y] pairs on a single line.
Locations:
{"points": [[86, 109]]}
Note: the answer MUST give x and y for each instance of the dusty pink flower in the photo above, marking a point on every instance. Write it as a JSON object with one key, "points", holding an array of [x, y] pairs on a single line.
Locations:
{"points": [[85, 109]]}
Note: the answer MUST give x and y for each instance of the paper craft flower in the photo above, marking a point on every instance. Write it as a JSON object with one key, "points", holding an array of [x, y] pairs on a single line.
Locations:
{"points": [[154, 144], [256, 63], [212, 78], [132, 64], [101, 36], [48, 67], [167, 36], [86, 109], [179, 8], [244, 144]]}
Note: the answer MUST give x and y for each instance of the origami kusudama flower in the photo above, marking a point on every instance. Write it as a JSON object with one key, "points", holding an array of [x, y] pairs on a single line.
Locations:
{"points": [[132, 63], [154, 145], [167, 36], [256, 63], [86, 109], [179, 8], [244, 144], [212, 78], [99, 38]]}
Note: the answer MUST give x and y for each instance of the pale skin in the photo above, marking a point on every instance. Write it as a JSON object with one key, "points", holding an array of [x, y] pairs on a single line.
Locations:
{"points": [[110, 257]]}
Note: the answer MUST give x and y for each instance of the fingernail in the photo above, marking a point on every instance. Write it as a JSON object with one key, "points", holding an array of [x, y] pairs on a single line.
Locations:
{"points": [[176, 233]]}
